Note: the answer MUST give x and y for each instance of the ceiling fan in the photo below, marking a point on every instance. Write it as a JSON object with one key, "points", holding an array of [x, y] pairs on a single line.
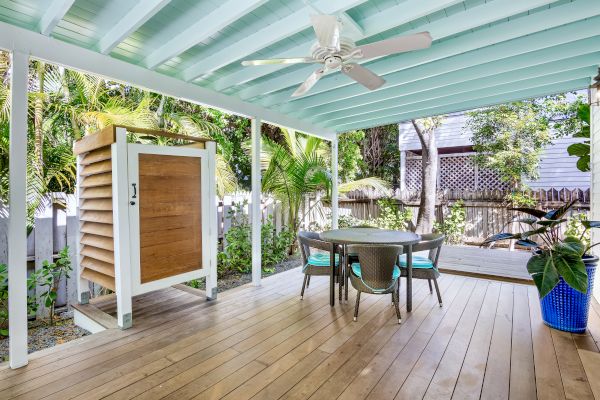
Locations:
{"points": [[335, 52]]}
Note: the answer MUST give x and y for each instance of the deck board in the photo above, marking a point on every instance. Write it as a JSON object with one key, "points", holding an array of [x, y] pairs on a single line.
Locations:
{"points": [[487, 341]]}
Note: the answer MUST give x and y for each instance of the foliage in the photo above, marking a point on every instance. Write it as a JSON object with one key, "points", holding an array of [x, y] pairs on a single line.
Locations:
{"points": [[48, 276], [576, 227], [553, 257], [237, 256], [520, 199], [380, 155], [297, 167], [350, 155], [391, 216], [582, 150], [454, 224]]}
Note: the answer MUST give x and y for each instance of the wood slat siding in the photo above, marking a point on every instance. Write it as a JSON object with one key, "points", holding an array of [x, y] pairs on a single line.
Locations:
{"points": [[95, 204], [170, 216]]}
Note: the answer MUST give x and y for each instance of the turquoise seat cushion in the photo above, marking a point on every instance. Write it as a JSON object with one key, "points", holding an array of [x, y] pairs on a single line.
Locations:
{"points": [[322, 260], [417, 262], [356, 270]]}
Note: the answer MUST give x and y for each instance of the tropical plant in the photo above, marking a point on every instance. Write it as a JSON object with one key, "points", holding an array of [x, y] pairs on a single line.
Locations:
{"points": [[582, 150], [49, 277], [554, 256], [297, 167], [454, 224]]}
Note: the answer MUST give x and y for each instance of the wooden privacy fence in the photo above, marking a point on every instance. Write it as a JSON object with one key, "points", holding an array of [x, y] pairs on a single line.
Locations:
{"points": [[486, 210]]}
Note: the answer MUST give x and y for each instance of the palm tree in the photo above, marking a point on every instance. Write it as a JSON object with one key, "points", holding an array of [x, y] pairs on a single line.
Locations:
{"points": [[298, 167]]}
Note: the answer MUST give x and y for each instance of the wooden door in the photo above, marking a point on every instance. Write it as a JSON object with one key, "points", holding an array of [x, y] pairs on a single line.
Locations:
{"points": [[166, 215]]}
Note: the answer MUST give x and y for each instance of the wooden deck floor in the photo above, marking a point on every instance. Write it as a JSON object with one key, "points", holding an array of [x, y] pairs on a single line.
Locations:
{"points": [[487, 341]]}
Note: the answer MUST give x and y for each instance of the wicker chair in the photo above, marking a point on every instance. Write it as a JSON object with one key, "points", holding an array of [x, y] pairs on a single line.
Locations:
{"points": [[426, 267], [376, 272], [317, 262]]}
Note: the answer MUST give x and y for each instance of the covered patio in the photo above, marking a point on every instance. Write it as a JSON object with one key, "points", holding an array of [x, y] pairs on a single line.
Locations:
{"points": [[260, 341]]}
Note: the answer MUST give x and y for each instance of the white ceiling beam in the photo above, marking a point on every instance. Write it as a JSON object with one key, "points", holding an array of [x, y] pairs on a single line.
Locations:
{"points": [[287, 26], [529, 93], [129, 23], [445, 27], [564, 23], [227, 13], [530, 77], [55, 12], [351, 28], [393, 16], [89, 61], [554, 58]]}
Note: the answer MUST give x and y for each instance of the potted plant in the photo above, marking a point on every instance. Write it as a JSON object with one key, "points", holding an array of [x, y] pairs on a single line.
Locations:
{"points": [[561, 267]]}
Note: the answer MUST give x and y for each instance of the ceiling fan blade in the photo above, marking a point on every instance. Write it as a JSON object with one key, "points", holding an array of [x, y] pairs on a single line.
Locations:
{"points": [[364, 76], [398, 44], [327, 29], [309, 82], [297, 60]]}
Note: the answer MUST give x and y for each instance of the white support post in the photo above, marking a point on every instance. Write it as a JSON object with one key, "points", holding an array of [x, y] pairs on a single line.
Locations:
{"points": [[123, 284], [595, 170], [256, 191], [211, 278], [402, 171], [334, 183], [17, 224]]}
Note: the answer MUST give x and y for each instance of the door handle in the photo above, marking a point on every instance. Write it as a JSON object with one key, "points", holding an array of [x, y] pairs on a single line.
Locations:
{"points": [[134, 191]]}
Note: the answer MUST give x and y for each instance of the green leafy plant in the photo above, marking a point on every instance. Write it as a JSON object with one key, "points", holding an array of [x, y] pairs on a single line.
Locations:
{"points": [[582, 150], [49, 277], [576, 227], [391, 216], [554, 256], [520, 199], [237, 256], [454, 224]]}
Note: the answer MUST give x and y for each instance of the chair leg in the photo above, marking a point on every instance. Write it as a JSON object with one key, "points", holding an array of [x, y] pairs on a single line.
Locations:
{"points": [[346, 283], [396, 299], [437, 289], [357, 304], [304, 285], [308, 281], [341, 280], [430, 288]]}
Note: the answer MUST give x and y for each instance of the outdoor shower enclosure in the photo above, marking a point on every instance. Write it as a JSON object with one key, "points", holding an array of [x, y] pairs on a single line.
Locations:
{"points": [[147, 214]]}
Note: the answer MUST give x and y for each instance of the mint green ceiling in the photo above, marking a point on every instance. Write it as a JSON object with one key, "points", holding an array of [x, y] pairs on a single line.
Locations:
{"points": [[484, 52]]}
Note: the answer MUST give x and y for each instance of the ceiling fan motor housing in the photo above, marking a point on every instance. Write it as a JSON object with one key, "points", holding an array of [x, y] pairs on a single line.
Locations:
{"points": [[330, 57]]}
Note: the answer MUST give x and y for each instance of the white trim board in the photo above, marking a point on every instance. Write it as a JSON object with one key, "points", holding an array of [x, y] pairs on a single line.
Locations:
{"points": [[75, 57]]}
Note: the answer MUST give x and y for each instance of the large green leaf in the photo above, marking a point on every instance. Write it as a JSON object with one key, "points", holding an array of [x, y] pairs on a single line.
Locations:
{"points": [[544, 273], [568, 262], [559, 212], [591, 224], [578, 149], [530, 211], [583, 164]]}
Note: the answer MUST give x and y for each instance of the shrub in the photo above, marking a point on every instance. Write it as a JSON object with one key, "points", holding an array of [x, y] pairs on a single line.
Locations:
{"points": [[237, 256], [391, 216], [576, 228], [454, 224]]}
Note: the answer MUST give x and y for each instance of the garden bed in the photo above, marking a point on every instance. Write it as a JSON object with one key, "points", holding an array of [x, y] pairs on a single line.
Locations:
{"points": [[42, 335]]}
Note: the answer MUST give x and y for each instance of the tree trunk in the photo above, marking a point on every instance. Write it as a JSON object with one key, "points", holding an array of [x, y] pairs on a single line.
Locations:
{"points": [[429, 168], [38, 118]]}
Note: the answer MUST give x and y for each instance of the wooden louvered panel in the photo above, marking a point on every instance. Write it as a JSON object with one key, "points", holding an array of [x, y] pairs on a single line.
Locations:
{"points": [[96, 168], [98, 192], [98, 266], [98, 254], [97, 204], [105, 230], [96, 180], [100, 139], [94, 156], [96, 277], [103, 217], [98, 241]]}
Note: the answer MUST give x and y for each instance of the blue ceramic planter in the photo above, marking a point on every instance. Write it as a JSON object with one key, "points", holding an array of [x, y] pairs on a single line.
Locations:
{"points": [[566, 309]]}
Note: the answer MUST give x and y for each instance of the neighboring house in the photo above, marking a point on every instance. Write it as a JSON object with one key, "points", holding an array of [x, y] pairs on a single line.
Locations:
{"points": [[457, 170]]}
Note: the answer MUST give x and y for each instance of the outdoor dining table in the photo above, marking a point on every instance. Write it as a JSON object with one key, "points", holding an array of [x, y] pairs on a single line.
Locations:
{"points": [[348, 236]]}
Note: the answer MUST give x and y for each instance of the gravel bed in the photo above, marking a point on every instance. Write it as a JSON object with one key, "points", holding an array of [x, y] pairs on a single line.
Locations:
{"points": [[42, 335]]}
